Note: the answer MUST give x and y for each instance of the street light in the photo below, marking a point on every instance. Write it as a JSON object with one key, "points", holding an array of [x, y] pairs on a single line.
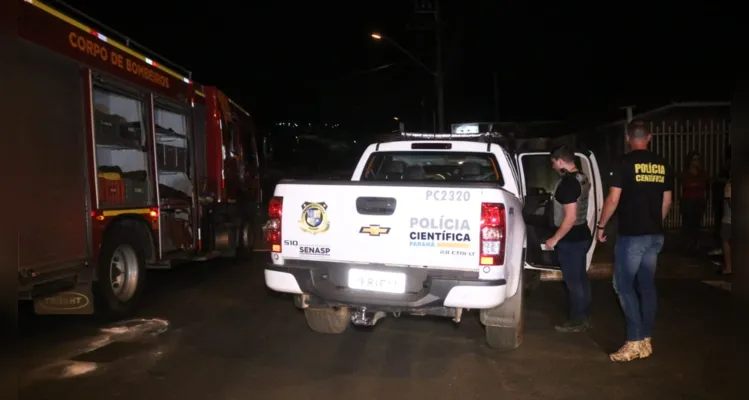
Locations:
{"points": [[377, 36], [438, 74]]}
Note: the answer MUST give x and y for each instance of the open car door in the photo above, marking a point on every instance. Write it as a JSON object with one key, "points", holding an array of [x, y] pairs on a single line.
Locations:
{"points": [[537, 183]]}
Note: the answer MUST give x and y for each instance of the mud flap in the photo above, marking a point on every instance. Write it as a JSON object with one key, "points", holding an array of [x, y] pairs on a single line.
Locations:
{"points": [[77, 300]]}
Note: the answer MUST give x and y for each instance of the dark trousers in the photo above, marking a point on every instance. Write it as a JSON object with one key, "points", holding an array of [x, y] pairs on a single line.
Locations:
{"points": [[573, 260], [692, 211]]}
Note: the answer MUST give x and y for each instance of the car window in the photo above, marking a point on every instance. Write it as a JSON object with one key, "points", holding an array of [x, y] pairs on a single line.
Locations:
{"points": [[432, 166]]}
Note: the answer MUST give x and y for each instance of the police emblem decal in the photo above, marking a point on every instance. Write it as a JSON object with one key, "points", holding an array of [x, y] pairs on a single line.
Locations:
{"points": [[314, 218]]}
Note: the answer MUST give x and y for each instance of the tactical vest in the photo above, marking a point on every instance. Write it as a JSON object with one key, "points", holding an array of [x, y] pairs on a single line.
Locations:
{"points": [[582, 201]]}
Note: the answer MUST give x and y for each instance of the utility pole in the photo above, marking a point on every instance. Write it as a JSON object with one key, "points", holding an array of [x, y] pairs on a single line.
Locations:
{"points": [[423, 114], [496, 98], [439, 75], [425, 7], [628, 109]]}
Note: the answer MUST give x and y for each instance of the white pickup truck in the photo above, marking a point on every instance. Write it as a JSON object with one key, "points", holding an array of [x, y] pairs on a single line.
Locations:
{"points": [[424, 228]]}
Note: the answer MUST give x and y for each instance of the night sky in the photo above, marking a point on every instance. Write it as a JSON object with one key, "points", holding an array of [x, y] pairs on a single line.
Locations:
{"points": [[308, 60]]}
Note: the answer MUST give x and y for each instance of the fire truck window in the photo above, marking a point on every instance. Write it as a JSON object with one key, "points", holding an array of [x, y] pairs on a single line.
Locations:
{"points": [[228, 149], [121, 150], [172, 150], [248, 145]]}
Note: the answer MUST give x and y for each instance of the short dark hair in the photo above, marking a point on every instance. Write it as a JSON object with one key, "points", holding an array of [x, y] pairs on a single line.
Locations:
{"points": [[637, 129], [688, 159], [564, 153]]}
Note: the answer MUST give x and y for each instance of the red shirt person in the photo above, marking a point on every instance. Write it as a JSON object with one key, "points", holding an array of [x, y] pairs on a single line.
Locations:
{"points": [[694, 184]]}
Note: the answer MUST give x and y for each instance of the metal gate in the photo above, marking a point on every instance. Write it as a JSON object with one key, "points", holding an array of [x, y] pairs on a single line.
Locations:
{"points": [[675, 140]]}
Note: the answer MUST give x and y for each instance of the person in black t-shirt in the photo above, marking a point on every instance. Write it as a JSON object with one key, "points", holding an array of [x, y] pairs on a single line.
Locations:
{"points": [[641, 190], [572, 237]]}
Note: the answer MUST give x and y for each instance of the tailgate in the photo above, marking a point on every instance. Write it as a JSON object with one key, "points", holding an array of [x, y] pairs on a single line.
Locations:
{"points": [[403, 225]]}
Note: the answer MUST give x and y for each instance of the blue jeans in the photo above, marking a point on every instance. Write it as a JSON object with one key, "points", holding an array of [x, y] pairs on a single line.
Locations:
{"points": [[635, 258], [573, 260]]}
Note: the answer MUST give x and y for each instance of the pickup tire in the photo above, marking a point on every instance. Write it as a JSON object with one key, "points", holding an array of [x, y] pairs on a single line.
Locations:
{"points": [[328, 320], [504, 324]]}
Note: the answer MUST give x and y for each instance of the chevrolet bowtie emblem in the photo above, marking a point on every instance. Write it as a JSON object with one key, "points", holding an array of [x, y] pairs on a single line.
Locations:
{"points": [[374, 230]]}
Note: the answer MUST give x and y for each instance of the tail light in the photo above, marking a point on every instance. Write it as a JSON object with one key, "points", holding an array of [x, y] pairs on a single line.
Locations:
{"points": [[493, 234], [273, 231]]}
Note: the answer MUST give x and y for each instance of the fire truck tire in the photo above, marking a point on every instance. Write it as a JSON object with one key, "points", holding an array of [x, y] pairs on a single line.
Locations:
{"points": [[328, 320], [121, 272], [245, 239]]}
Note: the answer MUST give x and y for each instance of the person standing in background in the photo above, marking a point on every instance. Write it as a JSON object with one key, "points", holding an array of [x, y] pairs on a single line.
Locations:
{"points": [[642, 191], [718, 187], [726, 229], [694, 181]]}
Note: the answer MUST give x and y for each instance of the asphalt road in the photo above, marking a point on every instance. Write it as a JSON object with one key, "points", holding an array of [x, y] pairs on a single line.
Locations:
{"points": [[213, 331]]}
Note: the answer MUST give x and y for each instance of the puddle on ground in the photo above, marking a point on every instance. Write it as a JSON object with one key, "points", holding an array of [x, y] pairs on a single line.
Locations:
{"points": [[114, 351], [60, 370], [78, 368], [114, 342], [137, 327]]}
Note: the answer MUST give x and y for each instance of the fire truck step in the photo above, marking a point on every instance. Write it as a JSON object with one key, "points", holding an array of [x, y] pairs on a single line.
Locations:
{"points": [[207, 256], [53, 287], [170, 260], [174, 259], [38, 283]]}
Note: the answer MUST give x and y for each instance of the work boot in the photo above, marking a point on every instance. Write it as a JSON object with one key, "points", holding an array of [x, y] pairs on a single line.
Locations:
{"points": [[573, 326], [647, 347], [630, 351]]}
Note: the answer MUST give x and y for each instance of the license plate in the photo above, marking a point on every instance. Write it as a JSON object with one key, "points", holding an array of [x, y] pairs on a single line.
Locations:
{"points": [[377, 281]]}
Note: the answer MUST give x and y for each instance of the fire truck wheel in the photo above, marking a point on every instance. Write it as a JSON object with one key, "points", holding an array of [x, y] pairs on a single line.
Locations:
{"points": [[120, 272], [246, 236], [245, 240]]}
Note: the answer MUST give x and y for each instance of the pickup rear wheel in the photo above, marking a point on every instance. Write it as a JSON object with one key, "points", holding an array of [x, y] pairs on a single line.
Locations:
{"points": [[505, 338], [506, 335], [328, 320]]}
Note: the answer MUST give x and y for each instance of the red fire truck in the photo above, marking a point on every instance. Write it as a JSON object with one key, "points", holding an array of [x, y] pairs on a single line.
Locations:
{"points": [[129, 165]]}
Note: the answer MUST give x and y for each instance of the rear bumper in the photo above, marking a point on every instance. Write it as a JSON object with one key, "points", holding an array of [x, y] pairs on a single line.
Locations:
{"points": [[326, 284]]}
